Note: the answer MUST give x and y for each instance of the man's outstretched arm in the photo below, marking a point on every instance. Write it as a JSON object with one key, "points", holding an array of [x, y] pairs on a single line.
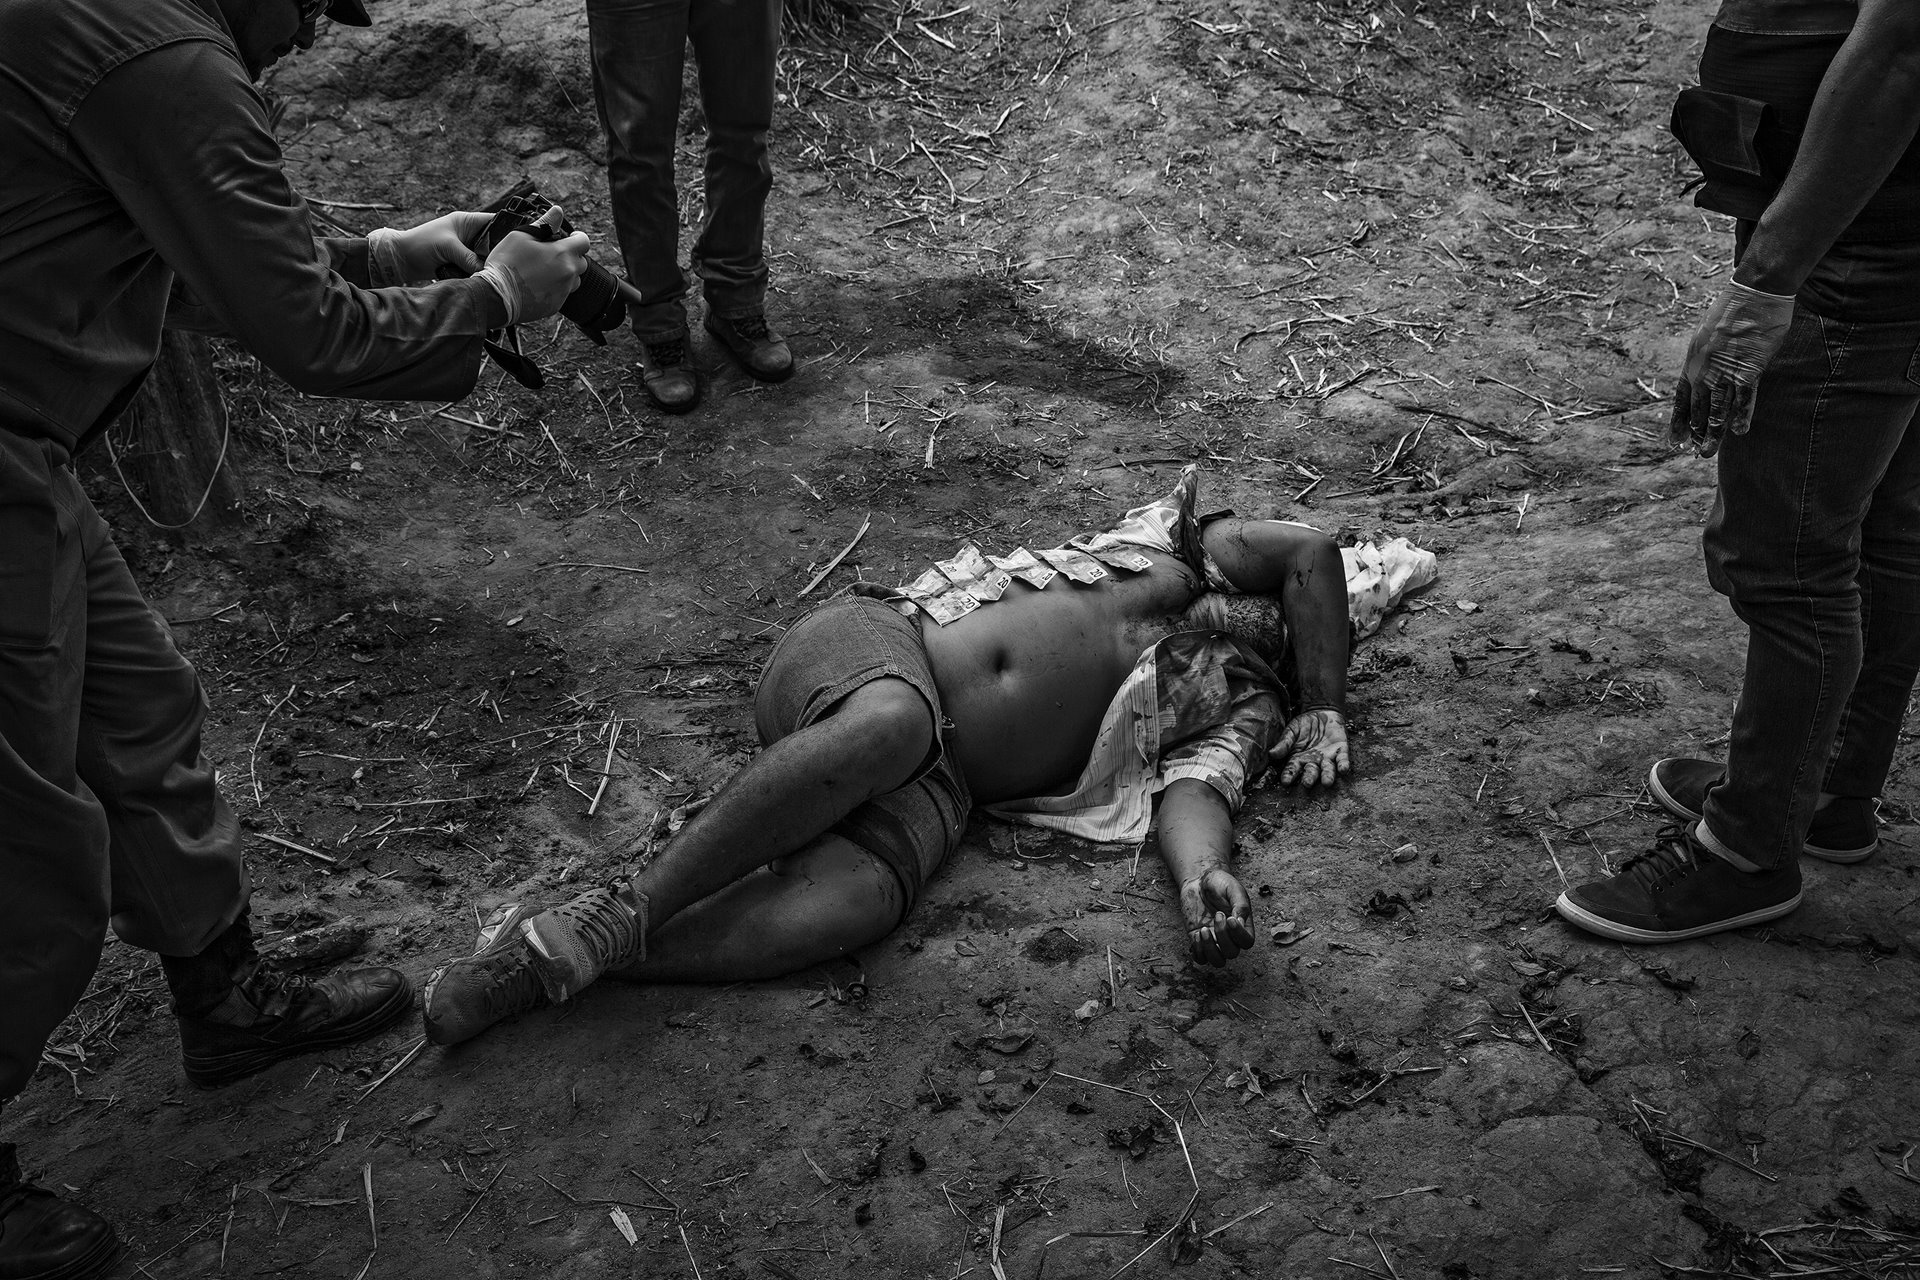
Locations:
{"points": [[1196, 843], [1302, 567]]}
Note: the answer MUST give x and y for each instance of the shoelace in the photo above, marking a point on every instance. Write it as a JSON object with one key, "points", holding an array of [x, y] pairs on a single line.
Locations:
{"points": [[667, 354], [753, 328], [1671, 856], [273, 993], [504, 971], [604, 923]]}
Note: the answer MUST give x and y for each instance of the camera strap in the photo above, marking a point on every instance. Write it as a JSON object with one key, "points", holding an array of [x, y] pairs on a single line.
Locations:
{"points": [[513, 360]]}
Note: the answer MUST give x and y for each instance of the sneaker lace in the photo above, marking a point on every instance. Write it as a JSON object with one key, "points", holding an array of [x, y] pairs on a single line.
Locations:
{"points": [[603, 923], [508, 982], [1671, 856], [753, 327], [671, 351]]}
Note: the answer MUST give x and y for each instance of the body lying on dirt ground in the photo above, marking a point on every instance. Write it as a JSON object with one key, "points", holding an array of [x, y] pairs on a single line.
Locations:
{"points": [[1067, 689]]}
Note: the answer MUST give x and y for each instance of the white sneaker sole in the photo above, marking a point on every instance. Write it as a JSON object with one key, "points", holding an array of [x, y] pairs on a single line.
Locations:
{"points": [[1573, 913], [1666, 801]]}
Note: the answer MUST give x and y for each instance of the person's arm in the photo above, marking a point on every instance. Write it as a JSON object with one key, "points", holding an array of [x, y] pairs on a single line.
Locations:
{"points": [[1864, 117], [180, 137], [1196, 843], [1303, 568]]}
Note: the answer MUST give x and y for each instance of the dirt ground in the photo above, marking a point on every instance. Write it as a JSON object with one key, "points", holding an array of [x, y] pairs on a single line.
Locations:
{"points": [[1411, 268]]}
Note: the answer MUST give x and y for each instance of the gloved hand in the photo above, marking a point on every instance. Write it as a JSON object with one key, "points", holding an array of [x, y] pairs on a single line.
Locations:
{"points": [[1738, 336], [1314, 748], [417, 254], [533, 276]]}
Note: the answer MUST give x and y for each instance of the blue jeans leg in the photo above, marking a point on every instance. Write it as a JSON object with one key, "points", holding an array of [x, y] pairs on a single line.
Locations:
{"points": [[735, 43], [638, 49], [1818, 508]]}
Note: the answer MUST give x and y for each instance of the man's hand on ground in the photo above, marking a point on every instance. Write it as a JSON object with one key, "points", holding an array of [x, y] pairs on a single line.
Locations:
{"points": [[1219, 916], [1732, 347], [1314, 749]]}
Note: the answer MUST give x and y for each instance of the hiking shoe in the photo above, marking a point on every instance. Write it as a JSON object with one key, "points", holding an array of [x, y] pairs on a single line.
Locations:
{"points": [[1847, 830], [576, 942], [271, 1015], [666, 371], [760, 351], [470, 994], [1678, 890], [43, 1237]]}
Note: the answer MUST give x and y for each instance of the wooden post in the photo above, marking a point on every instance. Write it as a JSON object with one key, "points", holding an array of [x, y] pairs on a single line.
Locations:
{"points": [[172, 444]]}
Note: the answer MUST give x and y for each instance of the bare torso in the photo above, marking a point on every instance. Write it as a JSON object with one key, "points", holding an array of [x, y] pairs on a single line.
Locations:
{"points": [[1027, 679]]}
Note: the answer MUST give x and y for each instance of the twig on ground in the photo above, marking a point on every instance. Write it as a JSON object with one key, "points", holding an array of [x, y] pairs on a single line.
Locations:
{"points": [[845, 551], [285, 843], [394, 1070], [606, 770]]}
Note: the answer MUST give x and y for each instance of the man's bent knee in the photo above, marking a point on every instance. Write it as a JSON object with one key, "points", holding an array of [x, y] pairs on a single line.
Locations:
{"points": [[895, 726]]}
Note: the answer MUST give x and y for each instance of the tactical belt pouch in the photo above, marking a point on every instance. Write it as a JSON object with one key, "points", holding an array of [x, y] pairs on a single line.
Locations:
{"points": [[1742, 150]]}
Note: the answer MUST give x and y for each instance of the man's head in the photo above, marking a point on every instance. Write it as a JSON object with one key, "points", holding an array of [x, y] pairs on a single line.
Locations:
{"points": [[1255, 621], [268, 30]]}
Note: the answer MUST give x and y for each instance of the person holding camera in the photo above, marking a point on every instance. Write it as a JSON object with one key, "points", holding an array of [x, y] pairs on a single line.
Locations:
{"points": [[141, 171], [639, 47], [1804, 377]]}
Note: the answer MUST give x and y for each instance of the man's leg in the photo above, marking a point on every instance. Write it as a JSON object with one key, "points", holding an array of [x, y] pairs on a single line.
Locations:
{"points": [[1783, 544], [830, 898], [638, 47]]}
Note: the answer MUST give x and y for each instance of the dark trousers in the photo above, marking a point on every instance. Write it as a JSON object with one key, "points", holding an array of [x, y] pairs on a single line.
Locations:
{"points": [[108, 811], [1815, 539], [639, 47]]}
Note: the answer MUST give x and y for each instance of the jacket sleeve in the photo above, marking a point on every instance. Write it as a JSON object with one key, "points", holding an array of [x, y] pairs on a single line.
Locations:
{"points": [[180, 137]]}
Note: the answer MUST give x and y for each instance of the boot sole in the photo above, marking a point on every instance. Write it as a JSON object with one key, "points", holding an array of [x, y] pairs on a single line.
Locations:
{"points": [[97, 1263], [1573, 913], [1844, 857], [209, 1071]]}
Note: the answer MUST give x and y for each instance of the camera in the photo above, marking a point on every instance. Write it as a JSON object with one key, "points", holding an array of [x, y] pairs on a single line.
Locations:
{"points": [[598, 306]]}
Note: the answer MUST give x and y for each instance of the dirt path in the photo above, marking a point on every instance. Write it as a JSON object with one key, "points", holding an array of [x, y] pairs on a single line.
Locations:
{"points": [[1408, 273]]}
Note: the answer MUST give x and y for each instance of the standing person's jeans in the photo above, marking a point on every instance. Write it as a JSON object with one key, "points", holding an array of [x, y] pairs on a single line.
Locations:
{"points": [[108, 811], [638, 52], [1815, 539]]}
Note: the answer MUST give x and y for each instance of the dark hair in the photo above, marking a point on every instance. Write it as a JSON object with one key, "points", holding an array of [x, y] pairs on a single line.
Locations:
{"points": [[1255, 621]]}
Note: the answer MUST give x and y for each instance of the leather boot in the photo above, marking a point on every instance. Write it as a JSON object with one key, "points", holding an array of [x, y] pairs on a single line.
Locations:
{"points": [[666, 371], [760, 351], [43, 1237], [239, 1015]]}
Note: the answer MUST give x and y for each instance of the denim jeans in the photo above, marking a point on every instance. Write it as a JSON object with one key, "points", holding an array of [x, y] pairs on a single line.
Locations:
{"points": [[108, 810], [639, 47], [1815, 539]]}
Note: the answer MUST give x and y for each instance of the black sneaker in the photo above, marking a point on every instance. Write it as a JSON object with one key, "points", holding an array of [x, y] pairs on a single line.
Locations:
{"points": [[666, 371], [43, 1237], [470, 994], [1678, 890], [760, 351], [1847, 830], [271, 1016]]}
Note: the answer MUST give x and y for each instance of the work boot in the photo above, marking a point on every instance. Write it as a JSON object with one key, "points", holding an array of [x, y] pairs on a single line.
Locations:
{"points": [[760, 351], [1679, 889], [575, 943], [238, 1014], [472, 993], [666, 371], [1846, 830], [42, 1237]]}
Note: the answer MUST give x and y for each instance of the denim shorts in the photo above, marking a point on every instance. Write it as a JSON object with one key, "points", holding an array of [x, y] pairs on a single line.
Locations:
{"points": [[827, 655]]}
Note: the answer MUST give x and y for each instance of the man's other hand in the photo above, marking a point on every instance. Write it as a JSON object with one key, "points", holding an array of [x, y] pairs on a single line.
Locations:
{"points": [[443, 242], [1314, 749], [1731, 348], [540, 272], [1219, 916]]}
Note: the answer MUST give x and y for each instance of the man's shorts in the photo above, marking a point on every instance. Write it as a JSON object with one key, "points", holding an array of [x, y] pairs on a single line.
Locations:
{"points": [[827, 655]]}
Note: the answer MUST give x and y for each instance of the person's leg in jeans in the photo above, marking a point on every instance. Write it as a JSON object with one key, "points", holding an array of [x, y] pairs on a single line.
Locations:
{"points": [[735, 43], [638, 49], [1890, 625], [1784, 544]]}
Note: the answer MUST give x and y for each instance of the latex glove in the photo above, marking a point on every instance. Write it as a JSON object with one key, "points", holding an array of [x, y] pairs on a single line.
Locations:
{"points": [[1314, 748], [534, 277], [1737, 338], [1219, 916], [418, 253]]}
